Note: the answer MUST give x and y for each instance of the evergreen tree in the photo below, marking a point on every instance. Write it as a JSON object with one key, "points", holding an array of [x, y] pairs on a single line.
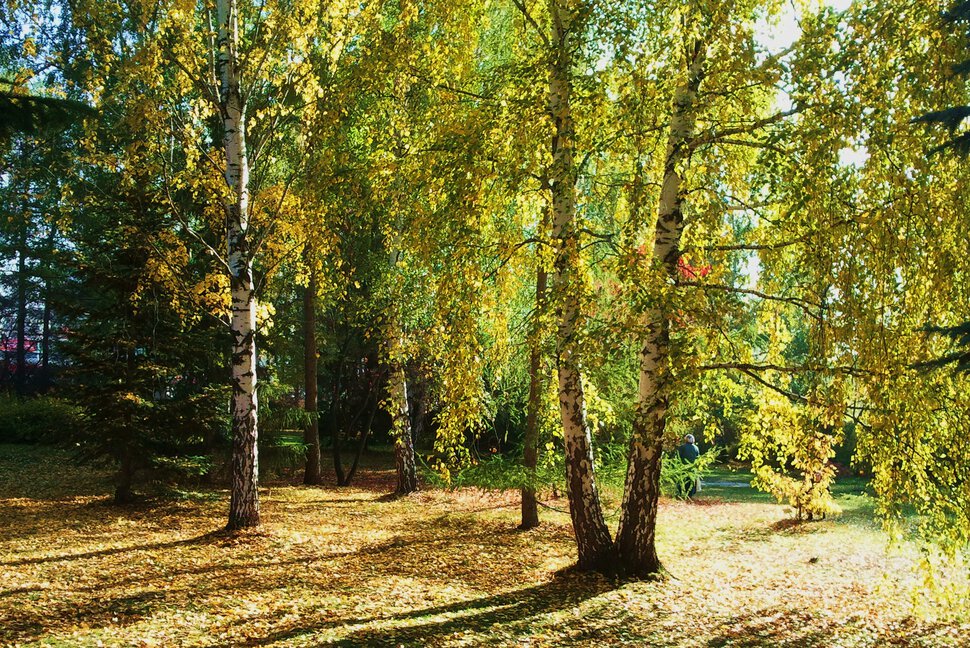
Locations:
{"points": [[150, 398]]}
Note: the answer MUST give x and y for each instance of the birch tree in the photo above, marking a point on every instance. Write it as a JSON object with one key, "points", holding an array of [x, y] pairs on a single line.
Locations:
{"points": [[220, 113]]}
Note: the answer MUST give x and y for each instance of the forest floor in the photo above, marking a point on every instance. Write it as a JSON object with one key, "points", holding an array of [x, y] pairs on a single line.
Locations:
{"points": [[353, 567]]}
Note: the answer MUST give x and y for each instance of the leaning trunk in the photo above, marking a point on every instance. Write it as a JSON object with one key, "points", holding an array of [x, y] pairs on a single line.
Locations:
{"points": [[592, 536], [636, 535], [244, 500], [311, 433], [361, 445]]}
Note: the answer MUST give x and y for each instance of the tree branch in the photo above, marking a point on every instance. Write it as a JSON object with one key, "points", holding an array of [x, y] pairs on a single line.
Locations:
{"points": [[520, 5]]}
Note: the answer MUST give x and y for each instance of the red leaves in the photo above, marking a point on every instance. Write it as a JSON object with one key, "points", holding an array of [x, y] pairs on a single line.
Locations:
{"points": [[690, 271]]}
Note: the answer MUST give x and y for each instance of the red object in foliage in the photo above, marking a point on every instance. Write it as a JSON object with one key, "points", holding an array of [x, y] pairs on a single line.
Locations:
{"points": [[10, 345], [689, 271]]}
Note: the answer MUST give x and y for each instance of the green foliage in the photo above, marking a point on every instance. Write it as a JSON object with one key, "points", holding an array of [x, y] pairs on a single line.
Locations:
{"points": [[791, 456], [280, 453], [675, 472], [499, 472], [44, 419], [496, 472], [149, 396]]}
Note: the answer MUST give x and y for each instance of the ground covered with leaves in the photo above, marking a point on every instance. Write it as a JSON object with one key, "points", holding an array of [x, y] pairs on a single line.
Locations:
{"points": [[353, 567]]}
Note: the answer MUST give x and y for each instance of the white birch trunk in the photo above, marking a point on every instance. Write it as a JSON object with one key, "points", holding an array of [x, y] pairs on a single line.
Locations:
{"points": [[636, 535], [407, 480], [593, 540], [397, 392], [244, 500]]}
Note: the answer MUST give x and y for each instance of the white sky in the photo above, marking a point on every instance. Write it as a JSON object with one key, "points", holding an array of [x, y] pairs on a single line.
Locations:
{"points": [[783, 32], [780, 34]]}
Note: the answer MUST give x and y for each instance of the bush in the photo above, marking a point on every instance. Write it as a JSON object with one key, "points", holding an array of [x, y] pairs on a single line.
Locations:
{"points": [[674, 471], [42, 419], [790, 451], [505, 473]]}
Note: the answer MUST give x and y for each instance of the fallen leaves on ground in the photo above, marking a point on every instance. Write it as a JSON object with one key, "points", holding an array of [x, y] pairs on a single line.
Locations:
{"points": [[353, 567]]}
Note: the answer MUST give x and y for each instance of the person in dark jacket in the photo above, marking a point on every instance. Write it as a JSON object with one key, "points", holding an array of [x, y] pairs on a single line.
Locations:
{"points": [[688, 453]]}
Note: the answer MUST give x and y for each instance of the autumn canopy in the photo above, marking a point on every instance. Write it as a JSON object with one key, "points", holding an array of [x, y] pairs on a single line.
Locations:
{"points": [[522, 244]]}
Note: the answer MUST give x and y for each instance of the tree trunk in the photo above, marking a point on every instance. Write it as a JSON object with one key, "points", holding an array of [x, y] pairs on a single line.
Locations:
{"points": [[20, 380], [407, 480], [336, 412], [311, 433], [244, 499], [419, 408], [362, 443], [592, 536], [636, 535], [530, 508], [126, 474], [343, 479], [45, 377]]}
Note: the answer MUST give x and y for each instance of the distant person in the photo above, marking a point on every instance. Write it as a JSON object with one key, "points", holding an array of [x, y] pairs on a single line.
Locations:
{"points": [[688, 453]]}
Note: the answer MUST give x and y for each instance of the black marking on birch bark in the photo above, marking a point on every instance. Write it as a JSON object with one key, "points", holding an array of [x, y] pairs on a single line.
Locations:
{"points": [[635, 541]]}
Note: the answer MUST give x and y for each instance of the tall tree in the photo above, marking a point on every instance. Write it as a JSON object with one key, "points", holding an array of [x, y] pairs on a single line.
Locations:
{"points": [[225, 121], [593, 541], [244, 502]]}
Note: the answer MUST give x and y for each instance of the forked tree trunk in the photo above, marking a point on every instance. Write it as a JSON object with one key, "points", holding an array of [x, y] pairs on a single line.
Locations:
{"points": [[530, 508], [244, 498], [361, 444], [335, 413], [592, 535], [418, 393], [636, 535], [311, 433]]}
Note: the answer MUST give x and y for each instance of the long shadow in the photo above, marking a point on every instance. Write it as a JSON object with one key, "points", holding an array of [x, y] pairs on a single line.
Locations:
{"points": [[20, 590], [209, 570], [47, 516], [367, 550], [326, 500], [212, 536], [33, 624], [567, 590]]}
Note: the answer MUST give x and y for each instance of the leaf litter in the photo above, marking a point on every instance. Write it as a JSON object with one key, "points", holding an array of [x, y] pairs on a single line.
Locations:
{"points": [[352, 567]]}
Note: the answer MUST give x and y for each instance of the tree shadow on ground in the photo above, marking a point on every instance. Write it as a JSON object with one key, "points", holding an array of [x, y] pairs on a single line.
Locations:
{"points": [[212, 536], [467, 616]]}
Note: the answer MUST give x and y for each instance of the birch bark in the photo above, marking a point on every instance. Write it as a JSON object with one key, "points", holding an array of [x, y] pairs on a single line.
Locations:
{"points": [[407, 480], [636, 535], [397, 399], [244, 499], [592, 535]]}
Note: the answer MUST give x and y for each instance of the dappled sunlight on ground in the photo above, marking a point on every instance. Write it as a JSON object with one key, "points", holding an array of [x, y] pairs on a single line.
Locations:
{"points": [[352, 567]]}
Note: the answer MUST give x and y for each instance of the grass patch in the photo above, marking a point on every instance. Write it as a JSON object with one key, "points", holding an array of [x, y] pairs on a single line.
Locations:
{"points": [[349, 567]]}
